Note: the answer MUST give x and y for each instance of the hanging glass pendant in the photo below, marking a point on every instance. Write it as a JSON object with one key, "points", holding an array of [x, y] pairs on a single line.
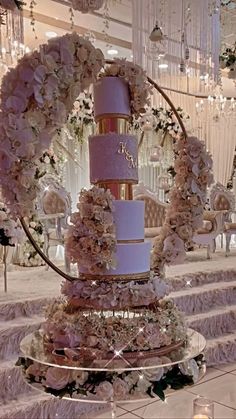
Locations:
{"points": [[156, 154], [165, 181], [156, 35]]}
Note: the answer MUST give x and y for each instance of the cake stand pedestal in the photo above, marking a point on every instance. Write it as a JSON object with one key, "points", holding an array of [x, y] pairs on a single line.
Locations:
{"points": [[144, 367]]}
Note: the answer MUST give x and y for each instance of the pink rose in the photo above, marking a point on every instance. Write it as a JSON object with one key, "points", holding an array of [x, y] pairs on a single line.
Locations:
{"points": [[57, 378]]}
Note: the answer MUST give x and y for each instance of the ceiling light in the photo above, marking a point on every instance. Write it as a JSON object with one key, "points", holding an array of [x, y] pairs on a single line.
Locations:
{"points": [[163, 65], [51, 34], [112, 51]]}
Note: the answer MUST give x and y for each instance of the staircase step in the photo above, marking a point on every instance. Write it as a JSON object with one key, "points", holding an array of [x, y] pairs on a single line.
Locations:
{"points": [[15, 309], [13, 331], [39, 405], [214, 323], [201, 278], [221, 350], [202, 299]]}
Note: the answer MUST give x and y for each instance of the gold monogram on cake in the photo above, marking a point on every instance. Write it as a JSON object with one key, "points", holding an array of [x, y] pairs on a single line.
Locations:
{"points": [[133, 164]]}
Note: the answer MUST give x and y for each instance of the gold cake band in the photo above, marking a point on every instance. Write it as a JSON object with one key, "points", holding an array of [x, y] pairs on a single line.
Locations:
{"points": [[130, 241], [120, 277], [120, 189], [112, 123]]}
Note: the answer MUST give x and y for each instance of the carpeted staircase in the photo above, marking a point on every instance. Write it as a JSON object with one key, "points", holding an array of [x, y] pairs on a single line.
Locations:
{"points": [[207, 298]]}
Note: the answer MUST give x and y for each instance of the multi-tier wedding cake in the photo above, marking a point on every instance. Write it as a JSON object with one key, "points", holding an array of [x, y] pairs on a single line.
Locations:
{"points": [[114, 306]]}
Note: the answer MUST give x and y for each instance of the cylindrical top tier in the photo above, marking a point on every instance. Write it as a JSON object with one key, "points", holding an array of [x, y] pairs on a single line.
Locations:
{"points": [[111, 98]]}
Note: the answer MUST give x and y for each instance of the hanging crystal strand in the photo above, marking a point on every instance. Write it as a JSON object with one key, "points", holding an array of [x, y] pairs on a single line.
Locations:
{"points": [[32, 18], [106, 23], [71, 13]]}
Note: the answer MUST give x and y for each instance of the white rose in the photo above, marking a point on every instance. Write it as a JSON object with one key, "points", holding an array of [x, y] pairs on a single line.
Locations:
{"points": [[120, 388], [104, 391], [80, 377]]}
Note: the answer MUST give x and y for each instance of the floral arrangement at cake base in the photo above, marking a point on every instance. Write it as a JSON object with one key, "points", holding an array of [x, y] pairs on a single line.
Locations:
{"points": [[90, 241], [120, 386]]}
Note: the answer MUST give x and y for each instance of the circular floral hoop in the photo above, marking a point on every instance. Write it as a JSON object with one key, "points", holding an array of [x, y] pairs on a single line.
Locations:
{"points": [[36, 98]]}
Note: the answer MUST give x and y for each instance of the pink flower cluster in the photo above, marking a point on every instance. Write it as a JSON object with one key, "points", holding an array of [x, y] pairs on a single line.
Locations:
{"points": [[36, 98], [87, 6], [114, 295], [193, 167], [130, 331], [90, 241], [138, 85]]}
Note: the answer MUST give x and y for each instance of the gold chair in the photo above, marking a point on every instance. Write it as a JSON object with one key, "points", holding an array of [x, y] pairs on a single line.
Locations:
{"points": [[223, 200], [154, 210], [211, 228], [54, 208]]}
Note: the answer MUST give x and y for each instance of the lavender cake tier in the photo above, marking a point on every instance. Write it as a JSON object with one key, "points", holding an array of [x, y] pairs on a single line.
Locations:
{"points": [[129, 220], [113, 157], [111, 97], [131, 259]]}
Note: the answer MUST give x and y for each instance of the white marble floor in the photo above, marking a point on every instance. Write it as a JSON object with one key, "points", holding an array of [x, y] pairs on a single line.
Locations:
{"points": [[219, 385]]}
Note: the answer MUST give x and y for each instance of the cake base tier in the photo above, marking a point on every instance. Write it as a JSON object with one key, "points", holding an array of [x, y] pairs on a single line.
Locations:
{"points": [[32, 347]]}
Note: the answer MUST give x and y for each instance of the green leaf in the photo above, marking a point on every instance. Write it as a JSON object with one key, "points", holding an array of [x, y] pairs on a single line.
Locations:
{"points": [[157, 389]]}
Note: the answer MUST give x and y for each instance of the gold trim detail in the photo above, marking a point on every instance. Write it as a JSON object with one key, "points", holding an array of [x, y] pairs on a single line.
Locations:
{"points": [[130, 241], [128, 277], [113, 124], [112, 115], [116, 181]]}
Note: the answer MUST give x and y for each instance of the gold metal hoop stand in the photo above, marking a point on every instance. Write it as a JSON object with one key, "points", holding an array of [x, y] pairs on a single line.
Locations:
{"points": [[25, 226]]}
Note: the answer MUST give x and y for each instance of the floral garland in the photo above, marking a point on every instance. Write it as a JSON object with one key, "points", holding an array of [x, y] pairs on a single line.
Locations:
{"points": [[90, 241], [11, 4], [9, 231], [119, 386], [36, 98], [47, 163], [29, 257], [87, 6], [192, 166], [228, 60], [136, 78], [164, 120], [81, 116]]}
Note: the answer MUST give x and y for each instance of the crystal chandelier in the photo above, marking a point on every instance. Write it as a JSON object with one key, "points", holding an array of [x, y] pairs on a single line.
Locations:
{"points": [[217, 106]]}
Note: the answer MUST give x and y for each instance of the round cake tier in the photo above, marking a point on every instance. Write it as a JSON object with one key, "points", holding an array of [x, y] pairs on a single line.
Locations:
{"points": [[129, 220], [111, 97], [132, 261], [113, 157]]}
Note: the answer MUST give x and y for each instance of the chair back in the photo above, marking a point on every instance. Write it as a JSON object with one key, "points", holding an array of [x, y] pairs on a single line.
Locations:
{"points": [[53, 198], [155, 210], [221, 199]]}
